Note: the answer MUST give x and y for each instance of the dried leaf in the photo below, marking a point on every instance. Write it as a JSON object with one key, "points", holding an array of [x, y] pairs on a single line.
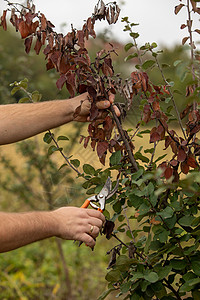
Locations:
{"points": [[28, 43], [102, 147], [108, 229], [60, 82], [178, 8], [185, 167], [184, 40], [181, 155], [191, 161], [3, 20], [168, 172]]}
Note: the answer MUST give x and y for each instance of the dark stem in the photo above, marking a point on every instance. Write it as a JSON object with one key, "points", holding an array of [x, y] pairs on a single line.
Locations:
{"points": [[126, 143]]}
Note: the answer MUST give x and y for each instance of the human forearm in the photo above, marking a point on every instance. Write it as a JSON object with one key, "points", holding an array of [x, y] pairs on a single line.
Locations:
{"points": [[20, 229], [69, 223], [20, 121]]}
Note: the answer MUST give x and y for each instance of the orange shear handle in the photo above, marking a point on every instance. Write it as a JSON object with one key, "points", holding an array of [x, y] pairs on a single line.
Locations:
{"points": [[86, 204]]}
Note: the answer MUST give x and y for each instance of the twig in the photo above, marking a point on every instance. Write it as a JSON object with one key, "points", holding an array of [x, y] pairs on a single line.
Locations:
{"points": [[121, 132], [63, 155]]}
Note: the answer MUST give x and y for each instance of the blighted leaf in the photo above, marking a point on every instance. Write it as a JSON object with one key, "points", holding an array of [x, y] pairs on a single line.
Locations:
{"points": [[102, 147], [178, 8], [28, 43], [184, 40], [185, 167], [181, 155], [60, 82], [108, 229], [3, 20], [168, 172]]}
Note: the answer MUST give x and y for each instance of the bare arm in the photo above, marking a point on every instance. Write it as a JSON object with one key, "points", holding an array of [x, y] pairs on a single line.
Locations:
{"points": [[20, 229], [21, 121]]}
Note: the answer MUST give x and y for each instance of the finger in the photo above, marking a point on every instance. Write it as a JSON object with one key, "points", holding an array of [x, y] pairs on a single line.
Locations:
{"points": [[94, 231], [88, 240], [95, 214], [117, 111], [103, 104], [111, 98], [96, 222]]}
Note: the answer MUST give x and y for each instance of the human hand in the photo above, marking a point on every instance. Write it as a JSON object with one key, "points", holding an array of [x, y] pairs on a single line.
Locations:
{"points": [[80, 224], [83, 100]]}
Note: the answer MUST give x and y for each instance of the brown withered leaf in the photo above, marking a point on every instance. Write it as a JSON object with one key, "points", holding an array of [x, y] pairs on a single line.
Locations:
{"points": [[113, 259], [194, 5], [168, 172], [28, 43], [43, 21], [183, 26], [185, 167], [185, 111], [178, 8], [86, 141], [154, 135], [181, 156], [108, 229], [80, 37], [102, 147], [60, 82], [38, 46], [131, 250], [184, 40], [174, 163], [24, 29], [3, 20], [156, 105], [191, 161]]}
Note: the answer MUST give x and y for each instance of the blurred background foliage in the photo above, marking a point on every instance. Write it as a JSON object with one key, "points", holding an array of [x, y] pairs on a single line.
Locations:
{"points": [[31, 180]]}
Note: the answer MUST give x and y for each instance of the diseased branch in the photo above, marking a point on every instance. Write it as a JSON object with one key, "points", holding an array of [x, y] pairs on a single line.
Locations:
{"points": [[121, 132]]}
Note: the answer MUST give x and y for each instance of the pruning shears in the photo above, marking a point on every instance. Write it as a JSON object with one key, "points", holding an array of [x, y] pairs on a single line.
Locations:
{"points": [[99, 201]]}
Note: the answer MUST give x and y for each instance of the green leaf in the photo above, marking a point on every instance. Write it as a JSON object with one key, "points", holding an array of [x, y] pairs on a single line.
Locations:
{"points": [[36, 96], [62, 138], [151, 277], [148, 64], [24, 100], [128, 46], [105, 294], [189, 285], [134, 35], [166, 213], [47, 138], [196, 265], [113, 275], [115, 158], [53, 149], [130, 56], [141, 157], [14, 90], [160, 157], [164, 271], [75, 162], [178, 264], [186, 220], [88, 169]]}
